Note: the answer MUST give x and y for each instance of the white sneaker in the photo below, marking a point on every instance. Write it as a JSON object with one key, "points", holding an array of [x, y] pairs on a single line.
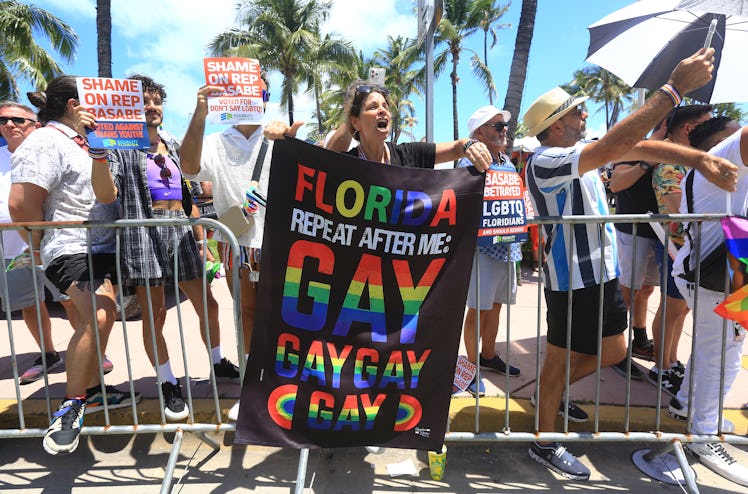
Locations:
{"points": [[234, 412], [715, 457]]}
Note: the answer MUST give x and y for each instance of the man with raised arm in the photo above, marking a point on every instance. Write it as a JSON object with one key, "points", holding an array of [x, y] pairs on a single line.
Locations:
{"points": [[563, 179]]}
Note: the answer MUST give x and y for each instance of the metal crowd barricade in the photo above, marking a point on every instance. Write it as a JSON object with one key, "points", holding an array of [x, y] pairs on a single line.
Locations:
{"points": [[178, 428], [669, 441]]}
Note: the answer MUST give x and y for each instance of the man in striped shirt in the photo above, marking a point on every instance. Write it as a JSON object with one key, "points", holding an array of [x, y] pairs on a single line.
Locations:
{"points": [[563, 180]]}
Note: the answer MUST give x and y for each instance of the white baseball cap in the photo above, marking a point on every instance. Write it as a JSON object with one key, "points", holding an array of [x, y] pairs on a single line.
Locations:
{"points": [[483, 115]]}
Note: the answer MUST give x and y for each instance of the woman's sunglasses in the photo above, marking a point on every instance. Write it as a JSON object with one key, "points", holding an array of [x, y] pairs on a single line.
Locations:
{"points": [[161, 162], [361, 92]]}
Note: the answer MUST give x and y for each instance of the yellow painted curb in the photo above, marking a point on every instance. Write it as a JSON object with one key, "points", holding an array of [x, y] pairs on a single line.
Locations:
{"points": [[462, 415]]}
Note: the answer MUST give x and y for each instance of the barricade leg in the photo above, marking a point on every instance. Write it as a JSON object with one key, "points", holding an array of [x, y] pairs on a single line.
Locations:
{"points": [[209, 441], [301, 472], [664, 467], [173, 456]]}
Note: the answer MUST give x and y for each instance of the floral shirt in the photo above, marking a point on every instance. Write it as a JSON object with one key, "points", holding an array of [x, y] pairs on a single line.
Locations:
{"points": [[666, 180]]}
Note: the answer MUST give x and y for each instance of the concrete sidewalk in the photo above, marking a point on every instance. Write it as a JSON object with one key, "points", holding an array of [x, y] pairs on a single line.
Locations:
{"points": [[524, 327]]}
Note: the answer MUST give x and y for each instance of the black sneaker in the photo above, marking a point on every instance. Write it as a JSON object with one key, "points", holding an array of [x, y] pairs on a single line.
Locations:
{"points": [[37, 370], [174, 406], [555, 457], [114, 399], [576, 414], [676, 410], [670, 381], [679, 370], [643, 349], [497, 365], [226, 371], [63, 433], [621, 368]]}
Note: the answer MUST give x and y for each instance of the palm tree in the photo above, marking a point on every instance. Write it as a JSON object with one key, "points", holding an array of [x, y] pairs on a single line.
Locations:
{"points": [[462, 18], [403, 78], [518, 71], [283, 35], [329, 55], [20, 56], [489, 27], [603, 87], [104, 37]]}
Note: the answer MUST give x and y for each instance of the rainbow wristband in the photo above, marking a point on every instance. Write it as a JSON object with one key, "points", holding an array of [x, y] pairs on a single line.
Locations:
{"points": [[673, 93]]}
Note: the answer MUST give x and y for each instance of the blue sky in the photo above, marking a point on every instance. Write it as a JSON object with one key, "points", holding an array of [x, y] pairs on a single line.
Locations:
{"points": [[166, 40]]}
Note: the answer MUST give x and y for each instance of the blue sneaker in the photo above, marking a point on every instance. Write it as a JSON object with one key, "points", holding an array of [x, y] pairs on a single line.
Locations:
{"points": [[63, 433], [481, 391], [557, 458]]}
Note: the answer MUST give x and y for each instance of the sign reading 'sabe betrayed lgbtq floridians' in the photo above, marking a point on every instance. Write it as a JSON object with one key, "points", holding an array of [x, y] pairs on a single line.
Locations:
{"points": [[505, 208], [365, 269], [117, 105], [241, 101]]}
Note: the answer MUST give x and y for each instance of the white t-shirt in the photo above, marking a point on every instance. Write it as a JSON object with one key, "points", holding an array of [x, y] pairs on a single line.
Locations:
{"points": [[708, 198], [51, 159], [228, 160], [13, 244]]}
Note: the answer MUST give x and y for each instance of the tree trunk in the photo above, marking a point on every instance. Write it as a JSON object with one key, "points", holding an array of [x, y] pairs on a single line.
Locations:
{"points": [[485, 62], [455, 80], [518, 72], [104, 37]]}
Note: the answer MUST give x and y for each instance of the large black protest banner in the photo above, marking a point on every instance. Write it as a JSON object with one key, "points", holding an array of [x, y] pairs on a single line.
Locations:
{"points": [[365, 269]]}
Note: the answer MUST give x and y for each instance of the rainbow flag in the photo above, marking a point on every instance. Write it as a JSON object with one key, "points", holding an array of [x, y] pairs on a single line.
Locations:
{"points": [[735, 229], [735, 307]]}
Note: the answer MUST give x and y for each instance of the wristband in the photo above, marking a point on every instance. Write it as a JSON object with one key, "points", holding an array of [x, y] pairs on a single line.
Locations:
{"points": [[97, 154], [202, 241], [469, 143], [673, 93]]}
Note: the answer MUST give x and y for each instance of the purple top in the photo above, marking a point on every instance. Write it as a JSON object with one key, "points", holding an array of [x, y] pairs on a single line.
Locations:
{"points": [[163, 178]]}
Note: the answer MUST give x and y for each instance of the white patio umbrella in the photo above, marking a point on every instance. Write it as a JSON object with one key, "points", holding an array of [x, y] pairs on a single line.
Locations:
{"points": [[643, 42]]}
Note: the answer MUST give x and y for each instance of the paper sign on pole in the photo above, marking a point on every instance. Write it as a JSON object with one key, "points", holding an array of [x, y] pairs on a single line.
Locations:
{"points": [[464, 374], [117, 105], [504, 217], [241, 101]]}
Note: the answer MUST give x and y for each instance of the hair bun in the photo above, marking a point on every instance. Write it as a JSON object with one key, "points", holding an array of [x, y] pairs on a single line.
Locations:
{"points": [[37, 98]]}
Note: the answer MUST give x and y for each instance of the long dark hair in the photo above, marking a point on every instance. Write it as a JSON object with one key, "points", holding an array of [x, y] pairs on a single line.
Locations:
{"points": [[52, 102]]}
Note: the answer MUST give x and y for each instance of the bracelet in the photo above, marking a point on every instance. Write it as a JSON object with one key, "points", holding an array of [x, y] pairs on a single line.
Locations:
{"points": [[673, 93], [469, 143], [98, 154], [202, 241]]}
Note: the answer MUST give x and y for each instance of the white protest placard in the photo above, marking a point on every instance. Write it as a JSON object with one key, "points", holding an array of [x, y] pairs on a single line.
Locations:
{"points": [[464, 374], [242, 98], [117, 105]]}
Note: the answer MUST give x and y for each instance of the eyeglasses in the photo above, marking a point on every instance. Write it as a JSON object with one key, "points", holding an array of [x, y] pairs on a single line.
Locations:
{"points": [[499, 126], [361, 92], [15, 120], [161, 162]]}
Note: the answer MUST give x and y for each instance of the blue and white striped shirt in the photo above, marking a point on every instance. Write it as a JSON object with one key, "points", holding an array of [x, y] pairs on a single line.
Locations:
{"points": [[557, 190]]}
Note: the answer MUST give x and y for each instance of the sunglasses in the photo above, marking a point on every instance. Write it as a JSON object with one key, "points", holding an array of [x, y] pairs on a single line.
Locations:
{"points": [[361, 92], [161, 162], [15, 120], [499, 126]]}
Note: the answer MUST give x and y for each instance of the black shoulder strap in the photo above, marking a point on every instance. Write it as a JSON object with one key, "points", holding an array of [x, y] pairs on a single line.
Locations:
{"points": [[689, 191], [687, 226], [260, 160]]}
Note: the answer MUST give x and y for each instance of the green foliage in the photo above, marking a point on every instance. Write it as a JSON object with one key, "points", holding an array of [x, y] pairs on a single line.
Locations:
{"points": [[20, 56], [602, 87]]}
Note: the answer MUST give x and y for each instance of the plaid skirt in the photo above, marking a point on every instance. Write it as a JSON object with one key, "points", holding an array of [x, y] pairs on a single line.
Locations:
{"points": [[151, 261]]}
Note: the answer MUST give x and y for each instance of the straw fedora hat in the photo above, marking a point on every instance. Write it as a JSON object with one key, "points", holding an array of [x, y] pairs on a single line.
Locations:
{"points": [[549, 108]]}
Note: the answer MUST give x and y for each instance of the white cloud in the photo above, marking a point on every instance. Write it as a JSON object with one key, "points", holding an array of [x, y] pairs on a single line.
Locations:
{"points": [[367, 27], [81, 8]]}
